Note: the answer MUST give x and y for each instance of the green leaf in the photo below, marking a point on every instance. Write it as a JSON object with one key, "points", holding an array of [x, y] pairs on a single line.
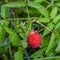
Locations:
{"points": [[38, 1], [56, 19], [23, 35], [24, 44], [2, 33], [54, 12], [37, 54], [9, 30], [57, 33], [51, 54], [44, 20], [5, 57], [4, 23], [13, 37], [50, 43], [40, 8], [15, 4], [57, 59], [44, 43], [58, 47], [4, 11], [57, 4], [57, 26], [48, 6], [46, 31], [18, 55]]}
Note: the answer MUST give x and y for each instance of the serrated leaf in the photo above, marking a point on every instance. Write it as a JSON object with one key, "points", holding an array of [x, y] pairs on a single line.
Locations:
{"points": [[56, 19], [54, 12], [4, 12], [37, 54], [51, 54], [58, 4], [2, 30], [58, 47], [18, 55], [44, 19], [44, 43], [50, 43], [13, 37], [57, 26], [2, 33], [48, 6], [57, 59], [15, 4], [4, 23], [46, 31], [5, 57], [24, 44], [57, 34], [23, 35], [38, 1], [9, 30], [40, 8]]}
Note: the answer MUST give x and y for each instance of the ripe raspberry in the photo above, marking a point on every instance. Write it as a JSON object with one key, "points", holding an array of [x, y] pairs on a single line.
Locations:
{"points": [[34, 39]]}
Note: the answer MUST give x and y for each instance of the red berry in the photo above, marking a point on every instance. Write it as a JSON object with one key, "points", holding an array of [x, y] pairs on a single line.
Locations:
{"points": [[34, 39]]}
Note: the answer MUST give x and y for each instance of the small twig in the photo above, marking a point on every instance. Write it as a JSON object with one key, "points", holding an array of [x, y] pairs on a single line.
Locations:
{"points": [[29, 20], [43, 25], [26, 55], [52, 3], [10, 52], [27, 10], [46, 1], [45, 58], [18, 18]]}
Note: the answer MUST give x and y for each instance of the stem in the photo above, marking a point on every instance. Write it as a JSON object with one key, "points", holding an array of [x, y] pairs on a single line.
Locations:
{"points": [[13, 14], [27, 9], [6, 0], [48, 58], [14, 22], [10, 52], [47, 2], [52, 3], [43, 25], [29, 21], [18, 18], [26, 54]]}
